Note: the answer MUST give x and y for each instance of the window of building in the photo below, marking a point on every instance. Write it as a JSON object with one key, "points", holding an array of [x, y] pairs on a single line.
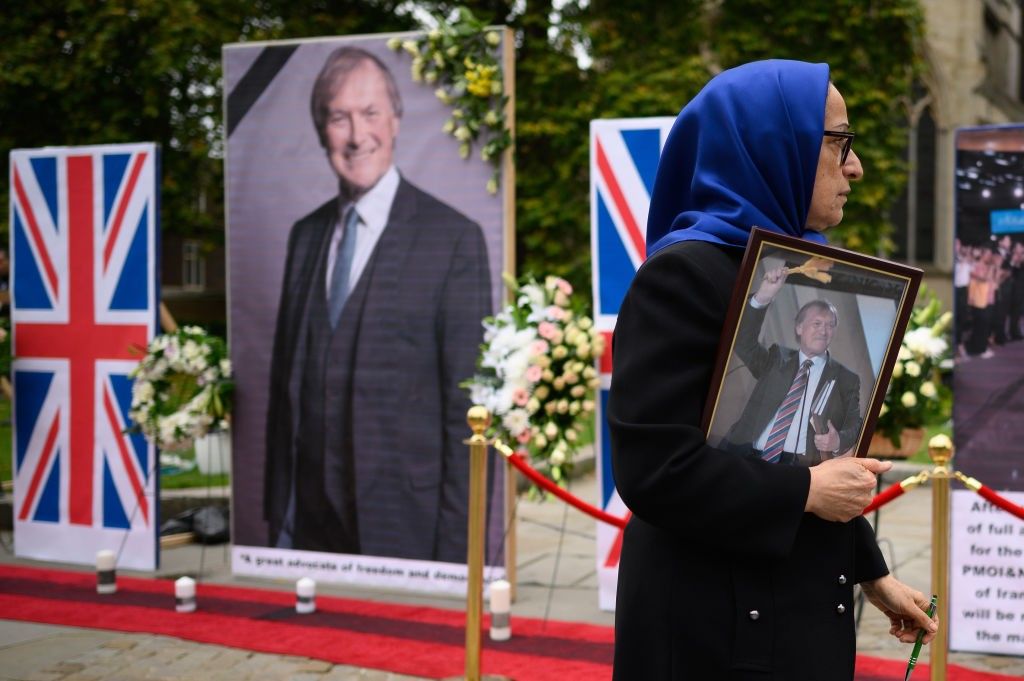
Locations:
{"points": [[193, 266]]}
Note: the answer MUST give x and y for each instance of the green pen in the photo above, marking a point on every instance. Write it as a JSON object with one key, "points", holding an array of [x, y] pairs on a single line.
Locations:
{"points": [[920, 638]]}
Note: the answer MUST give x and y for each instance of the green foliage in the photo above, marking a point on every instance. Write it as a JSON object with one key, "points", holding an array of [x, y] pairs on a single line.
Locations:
{"points": [[873, 50], [80, 72]]}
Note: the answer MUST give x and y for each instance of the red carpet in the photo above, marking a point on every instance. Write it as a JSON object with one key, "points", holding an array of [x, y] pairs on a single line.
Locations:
{"points": [[419, 641]]}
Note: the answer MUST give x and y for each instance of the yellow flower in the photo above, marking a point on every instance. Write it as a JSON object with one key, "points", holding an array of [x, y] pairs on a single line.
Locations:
{"points": [[897, 370], [464, 150], [908, 399], [394, 44], [491, 117], [928, 389], [462, 133], [410, 47], [442, 95], [492, 186], [449, 126], [493, 38], [883, 410]]}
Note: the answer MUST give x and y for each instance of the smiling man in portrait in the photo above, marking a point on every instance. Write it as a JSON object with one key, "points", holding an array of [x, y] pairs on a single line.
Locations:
{"points": [[379, 320]]}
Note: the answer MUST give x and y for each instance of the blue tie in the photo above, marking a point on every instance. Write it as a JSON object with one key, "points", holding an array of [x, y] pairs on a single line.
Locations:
{"points": [[342, 266]]}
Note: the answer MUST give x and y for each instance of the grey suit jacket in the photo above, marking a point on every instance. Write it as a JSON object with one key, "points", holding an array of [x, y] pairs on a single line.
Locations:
{"points": [[418, 337]]}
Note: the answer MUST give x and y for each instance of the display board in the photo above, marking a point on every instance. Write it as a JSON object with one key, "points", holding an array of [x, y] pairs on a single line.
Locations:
{"points": [[349, 461], [987, 544], [624, 157], [84, 238]]}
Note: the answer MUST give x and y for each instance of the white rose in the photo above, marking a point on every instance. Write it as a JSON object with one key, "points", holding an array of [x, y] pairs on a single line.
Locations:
{"points": [[913, 369], [928, 389], [908, 399]]}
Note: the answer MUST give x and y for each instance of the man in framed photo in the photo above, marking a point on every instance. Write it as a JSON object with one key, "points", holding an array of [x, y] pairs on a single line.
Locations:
{"points": [[805, 406], [379, 321]]}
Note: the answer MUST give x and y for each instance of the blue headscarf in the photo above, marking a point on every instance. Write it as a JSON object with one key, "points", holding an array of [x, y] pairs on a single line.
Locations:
{"points": [[742, 153]]}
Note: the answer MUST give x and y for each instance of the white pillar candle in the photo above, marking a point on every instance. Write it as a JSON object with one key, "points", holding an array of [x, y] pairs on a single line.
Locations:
{"points": [[305, 596], [185, 594], [106, 577], [501, 625]]}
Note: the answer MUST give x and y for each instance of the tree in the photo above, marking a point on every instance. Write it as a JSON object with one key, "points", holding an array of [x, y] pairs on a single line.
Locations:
{"points": [[78, 72]]}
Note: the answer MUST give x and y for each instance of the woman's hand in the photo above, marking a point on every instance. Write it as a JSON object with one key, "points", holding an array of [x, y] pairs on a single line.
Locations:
{"points": [[905, 607]]}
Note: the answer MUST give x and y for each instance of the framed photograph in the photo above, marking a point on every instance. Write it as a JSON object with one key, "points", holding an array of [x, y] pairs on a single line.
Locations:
{"points": [[807, 351]]}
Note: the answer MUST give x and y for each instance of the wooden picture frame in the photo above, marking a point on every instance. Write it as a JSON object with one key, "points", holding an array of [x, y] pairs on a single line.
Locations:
{"points": [[845, 311]]}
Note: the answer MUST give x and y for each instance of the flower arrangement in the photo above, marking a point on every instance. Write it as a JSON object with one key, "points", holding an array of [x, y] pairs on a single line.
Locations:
{"points": [[536, 372], [917, 394], [459, 58], [182, 388]]}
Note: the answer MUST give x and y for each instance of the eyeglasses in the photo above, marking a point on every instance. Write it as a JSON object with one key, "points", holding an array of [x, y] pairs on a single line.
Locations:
{"points": [[847, 143]]}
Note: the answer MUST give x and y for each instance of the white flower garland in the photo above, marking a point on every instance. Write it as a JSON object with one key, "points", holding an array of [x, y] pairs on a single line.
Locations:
{"points": [[536, 372], [182, 388]]}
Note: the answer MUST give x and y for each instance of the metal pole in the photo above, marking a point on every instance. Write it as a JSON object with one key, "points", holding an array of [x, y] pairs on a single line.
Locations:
{"points": [[942, 456], [511, 478], [479, 419]]}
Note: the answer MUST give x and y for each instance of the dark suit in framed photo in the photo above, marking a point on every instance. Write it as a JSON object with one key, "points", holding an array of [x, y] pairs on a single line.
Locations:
{"points": [[807, 351]]}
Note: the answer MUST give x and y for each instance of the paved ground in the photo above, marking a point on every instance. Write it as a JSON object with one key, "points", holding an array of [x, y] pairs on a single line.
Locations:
{"points": [[561, 585]]}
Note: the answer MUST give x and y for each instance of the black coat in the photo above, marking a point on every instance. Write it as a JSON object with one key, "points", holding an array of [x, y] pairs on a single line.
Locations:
{"points": [[722, 574], [419, 334]]}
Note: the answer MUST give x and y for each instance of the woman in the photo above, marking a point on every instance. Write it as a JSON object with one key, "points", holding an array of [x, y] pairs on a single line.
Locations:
{"points": [[733, 567], [981, 293]]}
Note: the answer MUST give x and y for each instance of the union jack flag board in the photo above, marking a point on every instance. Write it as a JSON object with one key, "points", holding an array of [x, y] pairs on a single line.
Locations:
{"points": [[624, 157], [83, 223]]}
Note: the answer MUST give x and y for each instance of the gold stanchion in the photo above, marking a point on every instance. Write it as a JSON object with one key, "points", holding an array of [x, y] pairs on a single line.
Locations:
{"points": [[479, 419], [942, 456], [511, 478]]}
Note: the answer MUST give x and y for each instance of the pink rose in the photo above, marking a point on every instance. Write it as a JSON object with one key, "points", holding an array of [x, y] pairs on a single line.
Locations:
{"points": [[520, 397], [555, 312], [534, 373], [539, 347], [524, 436], [564, 286], [547, 330]]}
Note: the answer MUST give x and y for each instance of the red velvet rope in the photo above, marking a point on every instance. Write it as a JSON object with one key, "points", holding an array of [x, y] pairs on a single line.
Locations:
{"points": [[884, 498], [990, 495], [570, 499]]}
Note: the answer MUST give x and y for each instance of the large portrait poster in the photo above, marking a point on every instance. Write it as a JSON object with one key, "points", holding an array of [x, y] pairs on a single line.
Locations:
{"points": [[986, 544], [350, 464]]}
